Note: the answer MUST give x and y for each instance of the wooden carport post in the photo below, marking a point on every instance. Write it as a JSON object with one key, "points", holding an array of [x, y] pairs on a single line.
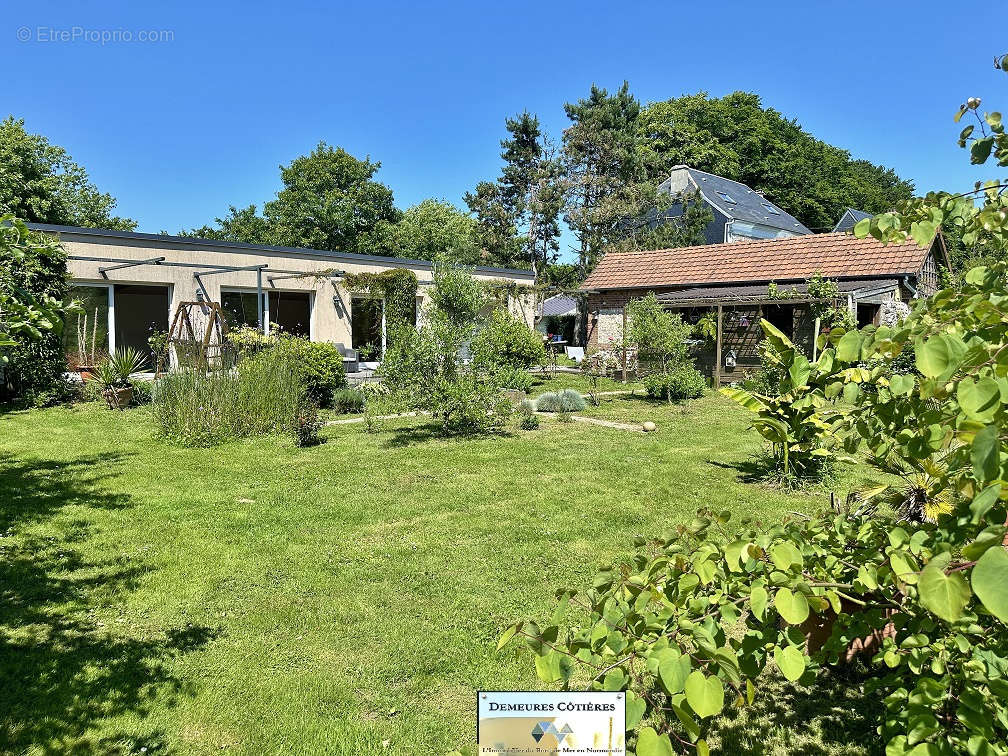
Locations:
{"points": [[717, 350]]}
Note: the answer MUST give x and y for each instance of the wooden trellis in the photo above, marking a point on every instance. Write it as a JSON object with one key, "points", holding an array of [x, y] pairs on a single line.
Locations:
{"points": [[197, 334]]}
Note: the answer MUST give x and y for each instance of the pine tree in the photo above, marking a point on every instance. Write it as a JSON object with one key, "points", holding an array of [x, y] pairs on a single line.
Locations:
{"points": [[604, 174], [524, 203]]}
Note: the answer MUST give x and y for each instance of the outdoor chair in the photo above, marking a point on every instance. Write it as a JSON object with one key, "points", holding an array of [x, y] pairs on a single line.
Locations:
{"points": [[351, 358]]}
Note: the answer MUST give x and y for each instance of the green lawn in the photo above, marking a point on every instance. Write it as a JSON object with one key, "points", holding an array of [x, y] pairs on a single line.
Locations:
{"points": [[259, 598]]}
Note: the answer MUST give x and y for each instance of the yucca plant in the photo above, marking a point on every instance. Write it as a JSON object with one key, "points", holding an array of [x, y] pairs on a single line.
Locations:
{"points": [[113, 375]]}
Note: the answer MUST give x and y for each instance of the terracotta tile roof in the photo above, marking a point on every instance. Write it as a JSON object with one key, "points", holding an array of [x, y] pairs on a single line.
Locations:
{"points": [[834, 255]]}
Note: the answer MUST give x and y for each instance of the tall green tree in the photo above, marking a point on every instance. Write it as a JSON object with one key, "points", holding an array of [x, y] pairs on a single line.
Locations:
{"points": [[331, 201], [40, 183], [684, 230], [531, 189], [244, 225], [433, 229], [604, 173], [736, 137], [496, 229], [519, 214]]}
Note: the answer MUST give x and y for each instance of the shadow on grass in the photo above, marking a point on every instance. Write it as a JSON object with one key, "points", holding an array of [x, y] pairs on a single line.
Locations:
{"points": [[830, 717], [63, 671], [411, 435], [756, 469]]}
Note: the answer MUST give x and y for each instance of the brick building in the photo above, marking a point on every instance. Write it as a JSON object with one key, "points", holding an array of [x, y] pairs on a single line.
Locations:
{"points": [[733, 281]]}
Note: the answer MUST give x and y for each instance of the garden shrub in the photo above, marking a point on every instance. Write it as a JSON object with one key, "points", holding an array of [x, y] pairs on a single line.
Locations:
{"points": [[348, 401], [527, 417], [32, 269], [318, 365], [693, 619], [142, 392], [307, 425], [426, 368], [789, 418], [565, 400], [194, 407], [506, 342], [682, 382], [514, 379]]}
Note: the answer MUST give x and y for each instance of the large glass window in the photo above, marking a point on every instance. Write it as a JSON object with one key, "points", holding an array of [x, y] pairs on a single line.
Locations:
{"points": [[85, 333], [290, 311], [240, 308], [139, 312], [366, 326]]}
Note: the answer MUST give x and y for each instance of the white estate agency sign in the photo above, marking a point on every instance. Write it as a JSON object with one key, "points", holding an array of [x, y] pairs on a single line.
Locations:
{"points": [[513, 723]]}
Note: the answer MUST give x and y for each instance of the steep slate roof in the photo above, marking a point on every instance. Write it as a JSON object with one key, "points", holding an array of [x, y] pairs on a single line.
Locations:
{"points": [[748, 206], [834, 255], [850, 218]]}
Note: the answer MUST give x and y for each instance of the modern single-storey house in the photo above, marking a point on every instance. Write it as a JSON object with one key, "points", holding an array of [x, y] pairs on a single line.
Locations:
{"points": [[132, 284], [740, 213], [732, 281]]}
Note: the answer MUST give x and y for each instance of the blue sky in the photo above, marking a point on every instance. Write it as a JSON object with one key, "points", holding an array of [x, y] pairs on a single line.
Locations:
{"points": [[177, 130]]}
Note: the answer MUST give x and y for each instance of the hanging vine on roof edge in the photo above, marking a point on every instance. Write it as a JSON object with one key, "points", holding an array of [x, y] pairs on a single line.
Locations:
{"points": [[397, 286]]}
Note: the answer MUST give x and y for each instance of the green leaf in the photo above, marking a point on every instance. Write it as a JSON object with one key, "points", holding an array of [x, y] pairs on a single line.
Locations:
{"points": [[615, 679], [868, 577], [508, 634], [673, 670], [790, 661], [923, 232], [744, 398], [979, 399], [934, 357], [705, 570], [862, 227], [650, 743], [990, 582], [851, 392], [986, 454], [776, 336], [554, 667], [901, 384], [733, 554], [799, 371], [983, 501], [849, 348], [903, 570], [944, 595], [758, 601], [705, 695], [785, 554], [793, 607], [635, 709]]}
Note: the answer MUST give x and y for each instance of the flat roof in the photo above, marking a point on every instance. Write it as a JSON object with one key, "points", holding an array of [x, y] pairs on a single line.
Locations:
{"points": [[229, 246]]}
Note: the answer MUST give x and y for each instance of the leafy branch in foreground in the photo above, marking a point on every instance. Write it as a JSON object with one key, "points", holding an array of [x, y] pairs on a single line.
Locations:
{"points": [[24, 316], [694, 618]]}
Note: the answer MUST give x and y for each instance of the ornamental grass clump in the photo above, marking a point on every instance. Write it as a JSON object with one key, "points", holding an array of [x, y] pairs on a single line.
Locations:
{"points": [[565, 400], [194, 407]]}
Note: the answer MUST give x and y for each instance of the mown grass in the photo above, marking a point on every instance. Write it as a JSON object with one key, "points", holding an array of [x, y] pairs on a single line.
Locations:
{"points": [[342, 599]]}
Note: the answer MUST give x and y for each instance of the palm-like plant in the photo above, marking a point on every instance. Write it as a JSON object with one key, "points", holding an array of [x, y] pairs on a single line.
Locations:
{"points": [[115, 372]]}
